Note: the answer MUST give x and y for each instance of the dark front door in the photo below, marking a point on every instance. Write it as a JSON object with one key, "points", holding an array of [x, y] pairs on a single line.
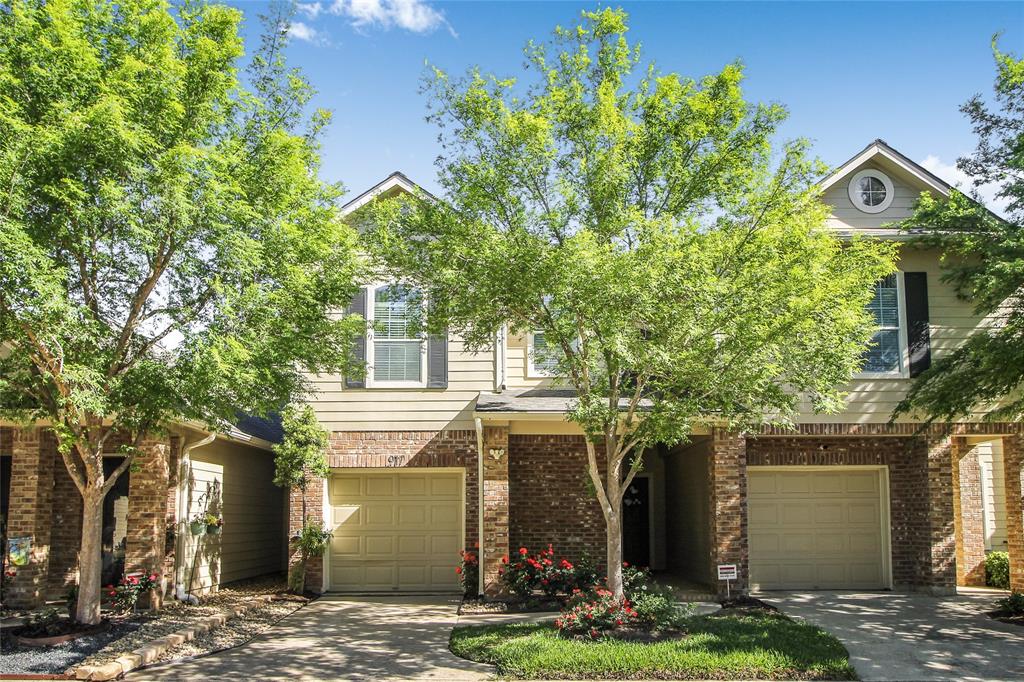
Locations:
{"points": [[636, 523], [115, 523]]}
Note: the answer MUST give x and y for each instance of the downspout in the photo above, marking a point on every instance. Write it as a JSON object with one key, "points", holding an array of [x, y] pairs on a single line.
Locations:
{"points": [[184, 468], [480, 502]]}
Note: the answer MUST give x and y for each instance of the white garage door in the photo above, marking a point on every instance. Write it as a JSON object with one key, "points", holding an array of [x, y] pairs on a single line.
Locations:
{"points": [[817, 528], [395, 531]]}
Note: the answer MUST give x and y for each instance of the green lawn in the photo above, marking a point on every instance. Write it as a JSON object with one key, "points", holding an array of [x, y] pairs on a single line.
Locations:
{"points": [[731, 647]]}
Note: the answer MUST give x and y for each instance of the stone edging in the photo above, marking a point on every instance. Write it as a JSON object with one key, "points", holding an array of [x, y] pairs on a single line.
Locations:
{"points": [[155, 648]]}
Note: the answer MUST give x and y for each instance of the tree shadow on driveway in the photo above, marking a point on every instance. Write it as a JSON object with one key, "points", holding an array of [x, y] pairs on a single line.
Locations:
{"points": [[898, 636], [343, 638]]}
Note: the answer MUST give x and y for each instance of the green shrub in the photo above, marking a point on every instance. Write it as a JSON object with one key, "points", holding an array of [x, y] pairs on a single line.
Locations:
{"points": [[1013, 605], [997, 570], [658, 610]]}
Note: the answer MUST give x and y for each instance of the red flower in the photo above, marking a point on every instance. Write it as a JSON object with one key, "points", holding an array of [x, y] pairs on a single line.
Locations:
{"points": [[153, 577], [523, 551], [625, 564], [566, 565], [504, 559], [476, 545], [458, 569]]}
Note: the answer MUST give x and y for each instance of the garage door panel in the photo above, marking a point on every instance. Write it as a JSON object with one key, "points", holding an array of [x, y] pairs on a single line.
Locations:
{"points": [[864, 512], [828, 513], [827, 483], [412, 486], [444, 486], [798, 484], [395, 531], [816, 529], [379, 514], [796, 542]]}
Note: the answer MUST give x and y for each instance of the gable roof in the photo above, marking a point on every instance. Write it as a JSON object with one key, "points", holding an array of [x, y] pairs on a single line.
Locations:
{"points": [[398, 180], [881, 148]]}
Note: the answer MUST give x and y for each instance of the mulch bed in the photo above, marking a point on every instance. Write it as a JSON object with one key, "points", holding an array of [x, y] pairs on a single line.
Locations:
{"points": [[743, 605], [534, 605], [56, 632], [1007, 617]]}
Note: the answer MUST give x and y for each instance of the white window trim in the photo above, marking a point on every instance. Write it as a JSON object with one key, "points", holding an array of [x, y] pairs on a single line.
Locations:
{"points": [[855, 194], [532, 371], [903, 371], [371, 382]]}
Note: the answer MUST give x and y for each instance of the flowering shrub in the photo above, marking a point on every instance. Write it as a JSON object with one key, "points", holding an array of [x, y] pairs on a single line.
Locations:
{"points": [[594, 615], [469, 572], [8, 580], [125, 596], [525, 573]]}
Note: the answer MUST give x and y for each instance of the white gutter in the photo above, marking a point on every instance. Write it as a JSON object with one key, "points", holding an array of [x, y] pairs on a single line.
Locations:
{"points": [[480, 501], [184, 469]]}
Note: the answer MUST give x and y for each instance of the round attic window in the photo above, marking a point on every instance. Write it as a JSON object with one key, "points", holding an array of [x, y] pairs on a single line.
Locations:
{"points": [[871, 191]]}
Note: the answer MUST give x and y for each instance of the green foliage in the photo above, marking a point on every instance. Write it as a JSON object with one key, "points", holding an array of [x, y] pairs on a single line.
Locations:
{"points": [[997, 570], [1012, 604], [167, 248], [302, 453], [169, 251], [755, 646], [983, 259], [676, 263], [314, 539]]}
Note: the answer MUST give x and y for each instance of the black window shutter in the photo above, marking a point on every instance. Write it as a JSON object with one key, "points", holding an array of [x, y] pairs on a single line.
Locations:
{"points": [[915, 291], [437, 361], [358, 307]]}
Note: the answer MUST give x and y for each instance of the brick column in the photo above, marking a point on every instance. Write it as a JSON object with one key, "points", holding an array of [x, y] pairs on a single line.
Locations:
{"points": [[968, 515], [315, 513], [496, 517], [727, 496], [145, 544], [1013, 475], [940, 568], [29, 514]]}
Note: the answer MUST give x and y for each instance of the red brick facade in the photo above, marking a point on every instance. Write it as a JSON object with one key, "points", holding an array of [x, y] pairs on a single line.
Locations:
{"points": [[45, 505], [1013, 473], [968, 515], [551, 497], [727, 479]]}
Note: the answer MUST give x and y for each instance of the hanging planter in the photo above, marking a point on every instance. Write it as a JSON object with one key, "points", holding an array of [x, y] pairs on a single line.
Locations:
{"points": [[214, 529], [197, 527]]}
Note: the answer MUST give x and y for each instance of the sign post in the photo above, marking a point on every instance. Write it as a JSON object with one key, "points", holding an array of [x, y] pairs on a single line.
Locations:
{"points": [[727, 572]]}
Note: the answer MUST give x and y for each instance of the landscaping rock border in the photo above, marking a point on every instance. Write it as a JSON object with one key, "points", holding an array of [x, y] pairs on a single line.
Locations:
{"points": [[150, 652]]}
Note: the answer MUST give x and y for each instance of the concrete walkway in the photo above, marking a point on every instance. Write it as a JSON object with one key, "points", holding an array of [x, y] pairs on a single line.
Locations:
{"points": [[894, 636], [342, 638]]}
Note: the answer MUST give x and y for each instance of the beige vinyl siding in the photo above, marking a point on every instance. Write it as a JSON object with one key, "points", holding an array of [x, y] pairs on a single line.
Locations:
{"points": [[846, 216], [407, 409], [993, 491], [237, 482], [518, 365]]}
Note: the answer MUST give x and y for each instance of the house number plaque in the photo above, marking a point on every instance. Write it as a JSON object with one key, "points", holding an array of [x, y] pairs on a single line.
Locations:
{"points": [[397, 460]]}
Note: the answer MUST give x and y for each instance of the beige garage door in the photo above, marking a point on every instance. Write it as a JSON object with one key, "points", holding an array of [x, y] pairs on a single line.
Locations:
{"points": [[819, 528], [395, 531]]}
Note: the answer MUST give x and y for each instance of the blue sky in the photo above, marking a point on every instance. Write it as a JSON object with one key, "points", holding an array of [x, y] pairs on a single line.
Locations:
{"points": [[848, 72]]}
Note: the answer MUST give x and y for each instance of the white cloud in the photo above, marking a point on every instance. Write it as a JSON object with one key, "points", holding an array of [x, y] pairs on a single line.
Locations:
{"points": [[310, 10], [306, 33], [411, 15], [956, 177]]}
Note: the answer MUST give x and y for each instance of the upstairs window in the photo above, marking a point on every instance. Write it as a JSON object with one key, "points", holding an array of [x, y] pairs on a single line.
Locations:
{"points": [[885, 355], [397, 354], [542, 358], [871, 191]]}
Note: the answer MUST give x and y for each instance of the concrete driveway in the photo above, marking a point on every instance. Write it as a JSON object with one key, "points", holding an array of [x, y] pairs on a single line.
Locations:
{"points": [[342, 638], [894, 636]]}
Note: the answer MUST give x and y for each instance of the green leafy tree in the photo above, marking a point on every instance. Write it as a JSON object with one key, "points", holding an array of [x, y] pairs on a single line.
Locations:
{"points": [[983, 259], [677, 267], [299, 459], [167, 250]]}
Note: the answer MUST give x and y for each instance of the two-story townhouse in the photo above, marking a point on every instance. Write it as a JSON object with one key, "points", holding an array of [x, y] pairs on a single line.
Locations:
{"points": [[437, 449]]}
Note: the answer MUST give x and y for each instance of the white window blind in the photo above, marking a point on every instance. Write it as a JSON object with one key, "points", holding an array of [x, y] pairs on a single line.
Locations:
{"points": [[397, 352], [883, 356]]}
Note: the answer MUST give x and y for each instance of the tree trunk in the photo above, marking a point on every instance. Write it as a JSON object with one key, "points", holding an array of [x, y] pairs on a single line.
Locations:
{"points": [[614, 524], [90, 558]]}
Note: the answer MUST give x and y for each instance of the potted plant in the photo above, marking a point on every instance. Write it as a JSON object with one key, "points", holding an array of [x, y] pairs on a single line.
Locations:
{"points": [[214, 524], [198, 525]]}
